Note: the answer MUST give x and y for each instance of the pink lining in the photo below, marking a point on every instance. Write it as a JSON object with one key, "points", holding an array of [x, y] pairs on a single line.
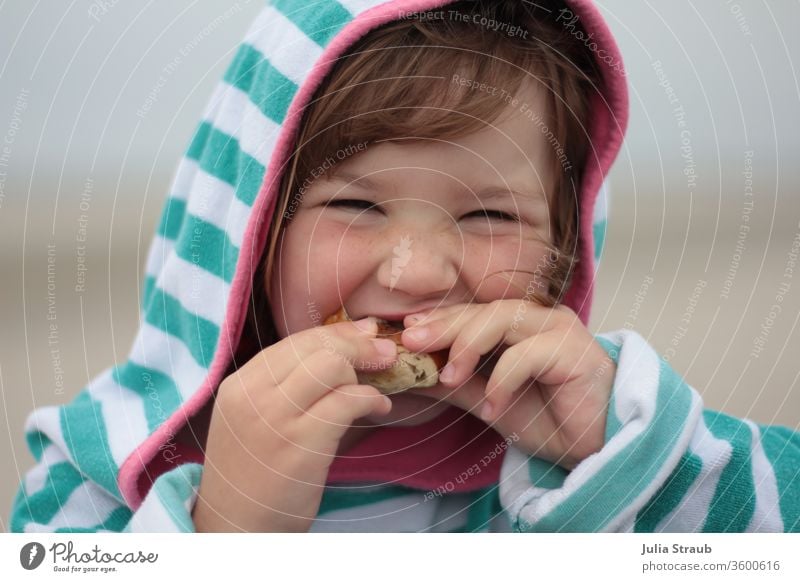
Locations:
{"points": [[607, 131]]}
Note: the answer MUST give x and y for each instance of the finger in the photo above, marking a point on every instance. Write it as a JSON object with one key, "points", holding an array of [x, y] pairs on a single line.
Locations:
{"points": [[317, 375], [468, 396], [421, 336], [469, 337], [498, 322], [327, 420], [428, 315], [324, 370], [520, 364], [280, 359]]}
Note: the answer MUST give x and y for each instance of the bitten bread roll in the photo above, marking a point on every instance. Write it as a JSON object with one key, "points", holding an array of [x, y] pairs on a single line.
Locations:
{"points": [[411, 370]]}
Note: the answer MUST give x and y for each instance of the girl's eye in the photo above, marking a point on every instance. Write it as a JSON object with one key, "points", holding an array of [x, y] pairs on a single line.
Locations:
{"points": [[361, 204], [487, 214]]}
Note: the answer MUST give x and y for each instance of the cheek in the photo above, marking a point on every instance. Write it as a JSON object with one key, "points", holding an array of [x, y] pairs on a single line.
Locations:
{"points": [[338, 260], [504, 269], [320, 265]]}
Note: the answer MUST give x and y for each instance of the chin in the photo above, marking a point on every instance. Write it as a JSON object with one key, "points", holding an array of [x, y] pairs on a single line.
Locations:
{"points": [[410, 409]]}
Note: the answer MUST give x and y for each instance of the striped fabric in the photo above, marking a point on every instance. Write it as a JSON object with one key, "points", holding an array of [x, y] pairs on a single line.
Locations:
{"points": [[668, 465]]}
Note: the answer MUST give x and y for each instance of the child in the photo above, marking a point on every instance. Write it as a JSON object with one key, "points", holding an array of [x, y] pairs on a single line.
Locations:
{"points": [[402, 158]]}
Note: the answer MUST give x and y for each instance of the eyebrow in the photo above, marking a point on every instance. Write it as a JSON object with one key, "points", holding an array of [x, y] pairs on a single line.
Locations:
{"points": [[484, 193]]}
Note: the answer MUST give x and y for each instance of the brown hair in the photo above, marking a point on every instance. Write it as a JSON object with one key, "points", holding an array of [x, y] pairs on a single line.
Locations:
{"points": [[396, 82]]}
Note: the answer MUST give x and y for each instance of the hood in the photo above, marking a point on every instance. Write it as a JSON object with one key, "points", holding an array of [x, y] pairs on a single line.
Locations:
{"points": [[196, 288]]}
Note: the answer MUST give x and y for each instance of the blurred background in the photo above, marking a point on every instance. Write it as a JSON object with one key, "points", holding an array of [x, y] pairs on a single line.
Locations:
{"points": [[98, 101]]}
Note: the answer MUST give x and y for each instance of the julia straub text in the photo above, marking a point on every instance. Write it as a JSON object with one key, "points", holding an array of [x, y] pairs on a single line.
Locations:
{"points": [[674, 549]]}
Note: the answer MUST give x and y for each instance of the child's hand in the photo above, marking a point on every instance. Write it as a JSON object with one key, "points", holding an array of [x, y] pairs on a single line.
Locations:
{"points": [[276, 426], [562, 375]]}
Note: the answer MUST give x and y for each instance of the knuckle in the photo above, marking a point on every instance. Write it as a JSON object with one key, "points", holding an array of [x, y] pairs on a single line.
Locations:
{"points": [[566, 312], [333, 365], [333, 358]]}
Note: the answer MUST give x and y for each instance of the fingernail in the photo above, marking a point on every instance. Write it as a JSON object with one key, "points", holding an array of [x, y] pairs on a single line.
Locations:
{"points": [[368, 325], [388, 401], [385, 347], [448, 373], [486, 411], [417, 334]]}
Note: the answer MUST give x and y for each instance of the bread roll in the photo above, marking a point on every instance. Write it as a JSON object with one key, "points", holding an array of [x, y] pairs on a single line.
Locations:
{"points": [[410, 370]]}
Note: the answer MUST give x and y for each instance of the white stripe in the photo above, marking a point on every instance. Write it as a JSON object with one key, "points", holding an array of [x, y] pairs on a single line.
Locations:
{"points": [[281, 42], [152, 516], [626, 525], [356, 7], [184, 176], [214, 103], [167, 354], [767, 514], [516, 487], [690, 514], [601, 204], [215, 202], [160, 249], [240, 118], [47, 420], [37, 476], [122, 413], [199, 292], [405, 513], [87, 507]]}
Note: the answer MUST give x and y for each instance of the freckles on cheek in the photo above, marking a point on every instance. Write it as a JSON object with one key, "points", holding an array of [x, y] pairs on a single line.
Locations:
{"points": [[337, 261], [497, 269]]}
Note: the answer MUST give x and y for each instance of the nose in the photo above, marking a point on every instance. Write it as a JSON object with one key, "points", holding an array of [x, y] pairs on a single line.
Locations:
{"points": [[420, 264]]}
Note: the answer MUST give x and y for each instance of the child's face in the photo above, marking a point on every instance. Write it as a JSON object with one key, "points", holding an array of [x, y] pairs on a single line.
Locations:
{"points": [[426, 243]]}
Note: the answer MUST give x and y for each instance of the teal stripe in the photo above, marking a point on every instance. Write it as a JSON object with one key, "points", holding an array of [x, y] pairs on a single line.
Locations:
{"points": [[158, 392], [172, 218], [42, 506], [84, 429], [734, 500], [319, 20], [782, 449], [198, 334], [484, 507], [266, 87], [546, 475], [199, 141], [613, 423], [219, 155], [147, 291], [174, 489], [37, 443], [670, 495], [203, 244], [599, 233], [338, 498], [622, 478]]}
